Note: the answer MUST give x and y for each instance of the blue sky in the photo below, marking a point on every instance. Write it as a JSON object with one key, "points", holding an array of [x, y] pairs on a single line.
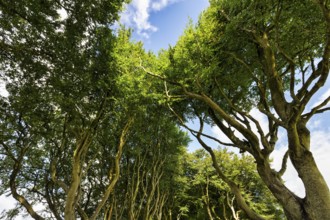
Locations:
{"points": [[159, 23]]}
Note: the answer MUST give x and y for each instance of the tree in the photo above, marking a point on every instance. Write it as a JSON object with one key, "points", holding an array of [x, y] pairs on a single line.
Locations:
{"points": [[269, 55], [210, 198], [75, 116], [150, 167], [60, 74]]}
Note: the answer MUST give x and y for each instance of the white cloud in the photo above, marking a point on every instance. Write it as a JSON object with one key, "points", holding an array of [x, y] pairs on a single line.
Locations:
{"points": [[7, 202], [160, 4], [320, 140], [137, 13]]}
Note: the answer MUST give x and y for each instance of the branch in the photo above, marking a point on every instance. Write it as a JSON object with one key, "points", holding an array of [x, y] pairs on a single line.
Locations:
{"points": [[9, 153], [160, 77], [246, 122], [284, 164], [13, 11], [292, 76], [21, 199], [233, 186], [79, 154], [323, 67], [315, 73], [66, 8], [320, 83], [194, 132], [270, 117], [317, 109], [230, 204], [230, 134], [224, 115], [322, 110], [239, 60], [114, 176], [267, 57], [48, 197], [181, 121], [302, 70], [55, 160]]}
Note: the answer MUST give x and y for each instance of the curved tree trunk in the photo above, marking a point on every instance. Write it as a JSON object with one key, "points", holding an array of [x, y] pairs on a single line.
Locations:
{"points": [[316, 203], [292, 205]]}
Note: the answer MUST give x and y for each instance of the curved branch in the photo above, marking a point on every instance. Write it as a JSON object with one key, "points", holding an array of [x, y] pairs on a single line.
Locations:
{"points": [[115, 175], [320, 83], [322, 70], [233, 186], [196, 132], [243, 146], [317, 109], [231, 121], [48, 198], [284, 164], [267, 58], [159, 76], [21, 199]]}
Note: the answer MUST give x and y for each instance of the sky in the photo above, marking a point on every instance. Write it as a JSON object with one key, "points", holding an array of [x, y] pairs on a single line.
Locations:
{"points": [[158, 24]]}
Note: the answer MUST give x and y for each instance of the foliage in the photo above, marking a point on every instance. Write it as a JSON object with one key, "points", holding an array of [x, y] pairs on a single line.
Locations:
{"points": [[86, 133], [272, 56], [65, 113], [208, 197]]}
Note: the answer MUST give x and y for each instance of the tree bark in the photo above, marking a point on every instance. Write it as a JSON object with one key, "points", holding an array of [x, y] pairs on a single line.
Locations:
{"points": [[316, 203], [78, 159], [289, 201]]}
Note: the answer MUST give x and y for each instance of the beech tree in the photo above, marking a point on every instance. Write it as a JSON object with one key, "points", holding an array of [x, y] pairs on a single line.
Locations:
{"points": [[60, 74], [74, 115], [80, 105], [272, 56], [209, 197], [150, 169]]}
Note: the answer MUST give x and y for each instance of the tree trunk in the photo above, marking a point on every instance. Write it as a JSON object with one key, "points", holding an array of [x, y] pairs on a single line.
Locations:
{"points": [[292, 205], [72, 194], [317, 200], [316, 203], [207, 199]]}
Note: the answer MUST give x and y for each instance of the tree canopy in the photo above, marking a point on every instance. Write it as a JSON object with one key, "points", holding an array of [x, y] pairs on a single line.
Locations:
{"points": [[92, 125], [272, 56]]}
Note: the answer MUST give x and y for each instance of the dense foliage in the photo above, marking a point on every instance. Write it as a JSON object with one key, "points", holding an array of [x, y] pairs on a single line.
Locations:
{"points": [[270, 56], [91, 128], [209, 197]]}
